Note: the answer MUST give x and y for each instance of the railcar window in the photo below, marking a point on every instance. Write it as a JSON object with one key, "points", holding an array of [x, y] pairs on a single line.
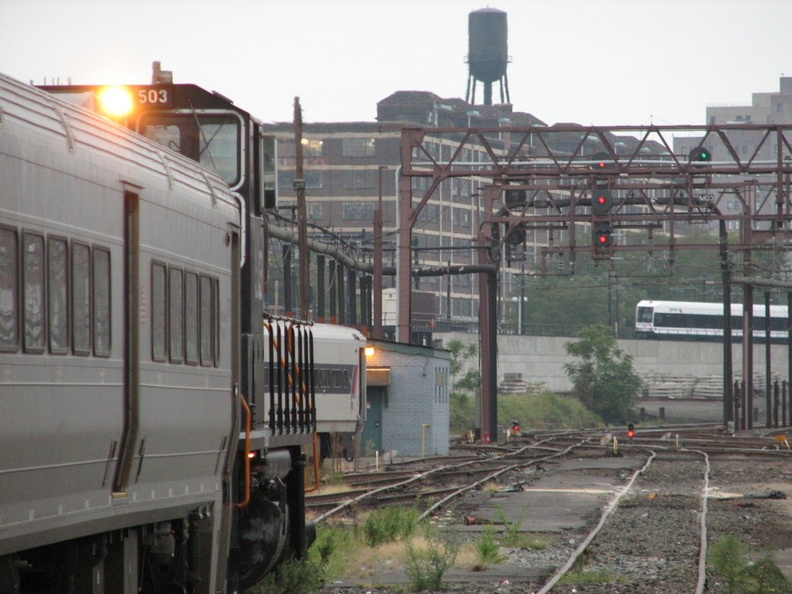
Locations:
{"points": [[216, 320], [207, 307], [81, 298], [210, 139], [176, 315], [33, 292], [9, 296], [645, 314], [191, 303], [58, 295], [159, 317], [184, 316], [101, 302]]}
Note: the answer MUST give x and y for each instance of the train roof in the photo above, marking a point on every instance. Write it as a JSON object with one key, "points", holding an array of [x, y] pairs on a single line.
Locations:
{"points": [[328, 332], [42, 115]]}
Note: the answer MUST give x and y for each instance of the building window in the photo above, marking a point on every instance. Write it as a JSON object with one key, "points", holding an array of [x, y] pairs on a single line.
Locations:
{"points": [[313, 179], [315, 211], [312, 147], [360, 179], [357, 147], [357, 211]]}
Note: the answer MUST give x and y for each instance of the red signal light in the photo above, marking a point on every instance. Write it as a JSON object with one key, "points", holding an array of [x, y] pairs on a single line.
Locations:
{"points": [[600, 160], [601, 201], [630, 431]]}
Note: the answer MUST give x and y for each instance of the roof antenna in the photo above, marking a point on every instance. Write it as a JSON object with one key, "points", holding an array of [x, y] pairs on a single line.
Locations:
{"points": [[160, 76]]}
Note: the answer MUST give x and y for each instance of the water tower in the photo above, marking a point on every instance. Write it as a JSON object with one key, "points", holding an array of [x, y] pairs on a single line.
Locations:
{"points": [[487, 57]]}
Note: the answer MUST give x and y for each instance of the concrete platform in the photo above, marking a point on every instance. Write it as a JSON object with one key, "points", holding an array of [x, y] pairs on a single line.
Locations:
{"points": [[556, 503]]}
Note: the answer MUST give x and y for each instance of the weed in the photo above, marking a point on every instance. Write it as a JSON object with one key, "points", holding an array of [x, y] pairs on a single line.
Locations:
{"points": [[764, 577], [512, 535], [487, 549], [334, 549], [426, 568], [728, 558]]}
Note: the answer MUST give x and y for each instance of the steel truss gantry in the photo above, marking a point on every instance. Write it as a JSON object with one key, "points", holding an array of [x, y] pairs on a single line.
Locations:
{"points": [[543, 178]]}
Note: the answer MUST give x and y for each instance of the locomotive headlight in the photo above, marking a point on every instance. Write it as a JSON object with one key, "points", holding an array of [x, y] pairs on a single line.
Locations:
{"points": [[115, 102], [369, 350]]}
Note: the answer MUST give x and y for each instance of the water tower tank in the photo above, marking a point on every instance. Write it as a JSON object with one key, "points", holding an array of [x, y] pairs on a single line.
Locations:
{"points": [[487, 44]]}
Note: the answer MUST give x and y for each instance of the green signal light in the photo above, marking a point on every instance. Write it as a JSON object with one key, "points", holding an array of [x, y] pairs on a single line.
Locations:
{"points": [[700, 154]]}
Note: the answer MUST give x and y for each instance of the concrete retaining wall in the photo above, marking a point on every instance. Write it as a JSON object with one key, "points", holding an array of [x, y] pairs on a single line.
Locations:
{"points": [[541, 360]]}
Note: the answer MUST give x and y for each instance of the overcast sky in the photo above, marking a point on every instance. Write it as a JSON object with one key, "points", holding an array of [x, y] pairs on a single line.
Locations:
{"points": [[600, 62]]}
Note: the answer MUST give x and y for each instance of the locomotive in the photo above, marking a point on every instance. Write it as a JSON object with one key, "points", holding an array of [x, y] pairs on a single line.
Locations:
{"points": [[210, 129], [153, 420]]}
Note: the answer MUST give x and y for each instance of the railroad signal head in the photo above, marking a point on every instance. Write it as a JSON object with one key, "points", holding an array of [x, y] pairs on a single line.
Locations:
{"points": [[630, 431], [700, 155], [601, 161], [602, 235], [515, 427], [601, 201]]}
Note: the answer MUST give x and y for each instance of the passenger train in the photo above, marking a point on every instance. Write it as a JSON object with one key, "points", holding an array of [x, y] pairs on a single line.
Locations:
{"points": [[704, 321], [153, 421]]}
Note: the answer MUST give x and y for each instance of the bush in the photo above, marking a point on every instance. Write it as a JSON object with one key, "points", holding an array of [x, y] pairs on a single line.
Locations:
{"points": [[546, 411]]}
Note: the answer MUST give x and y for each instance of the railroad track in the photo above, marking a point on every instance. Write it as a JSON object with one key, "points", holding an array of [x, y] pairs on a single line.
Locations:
{"points": [[421, 486], [656, 521]]}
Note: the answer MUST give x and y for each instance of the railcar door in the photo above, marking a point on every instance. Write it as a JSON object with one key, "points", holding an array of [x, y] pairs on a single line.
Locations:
{"points": [[131, 339]]}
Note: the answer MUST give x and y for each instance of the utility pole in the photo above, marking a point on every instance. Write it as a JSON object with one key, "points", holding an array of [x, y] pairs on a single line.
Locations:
{"points": [[302, 219]]}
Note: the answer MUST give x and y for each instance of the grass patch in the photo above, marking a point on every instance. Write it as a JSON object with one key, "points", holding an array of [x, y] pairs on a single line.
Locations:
{"points": [[291, 577], [589, 576], [390, 524]]}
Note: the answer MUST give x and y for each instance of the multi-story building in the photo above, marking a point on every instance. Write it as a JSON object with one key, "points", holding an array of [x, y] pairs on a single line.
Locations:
{"points": [[350, 168], [765, 108], [744, 145]]}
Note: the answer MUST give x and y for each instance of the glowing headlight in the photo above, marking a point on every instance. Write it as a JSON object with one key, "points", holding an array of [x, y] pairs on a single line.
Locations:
{"points": [[115, 102]]}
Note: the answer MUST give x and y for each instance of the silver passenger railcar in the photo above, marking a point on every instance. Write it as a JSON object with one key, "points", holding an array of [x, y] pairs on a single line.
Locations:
{"points": [[122, 441], [692, 320]]}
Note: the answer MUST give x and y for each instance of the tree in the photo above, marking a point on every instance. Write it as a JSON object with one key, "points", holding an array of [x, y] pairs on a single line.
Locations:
{"points": [[603, 377], [462, 410]]}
